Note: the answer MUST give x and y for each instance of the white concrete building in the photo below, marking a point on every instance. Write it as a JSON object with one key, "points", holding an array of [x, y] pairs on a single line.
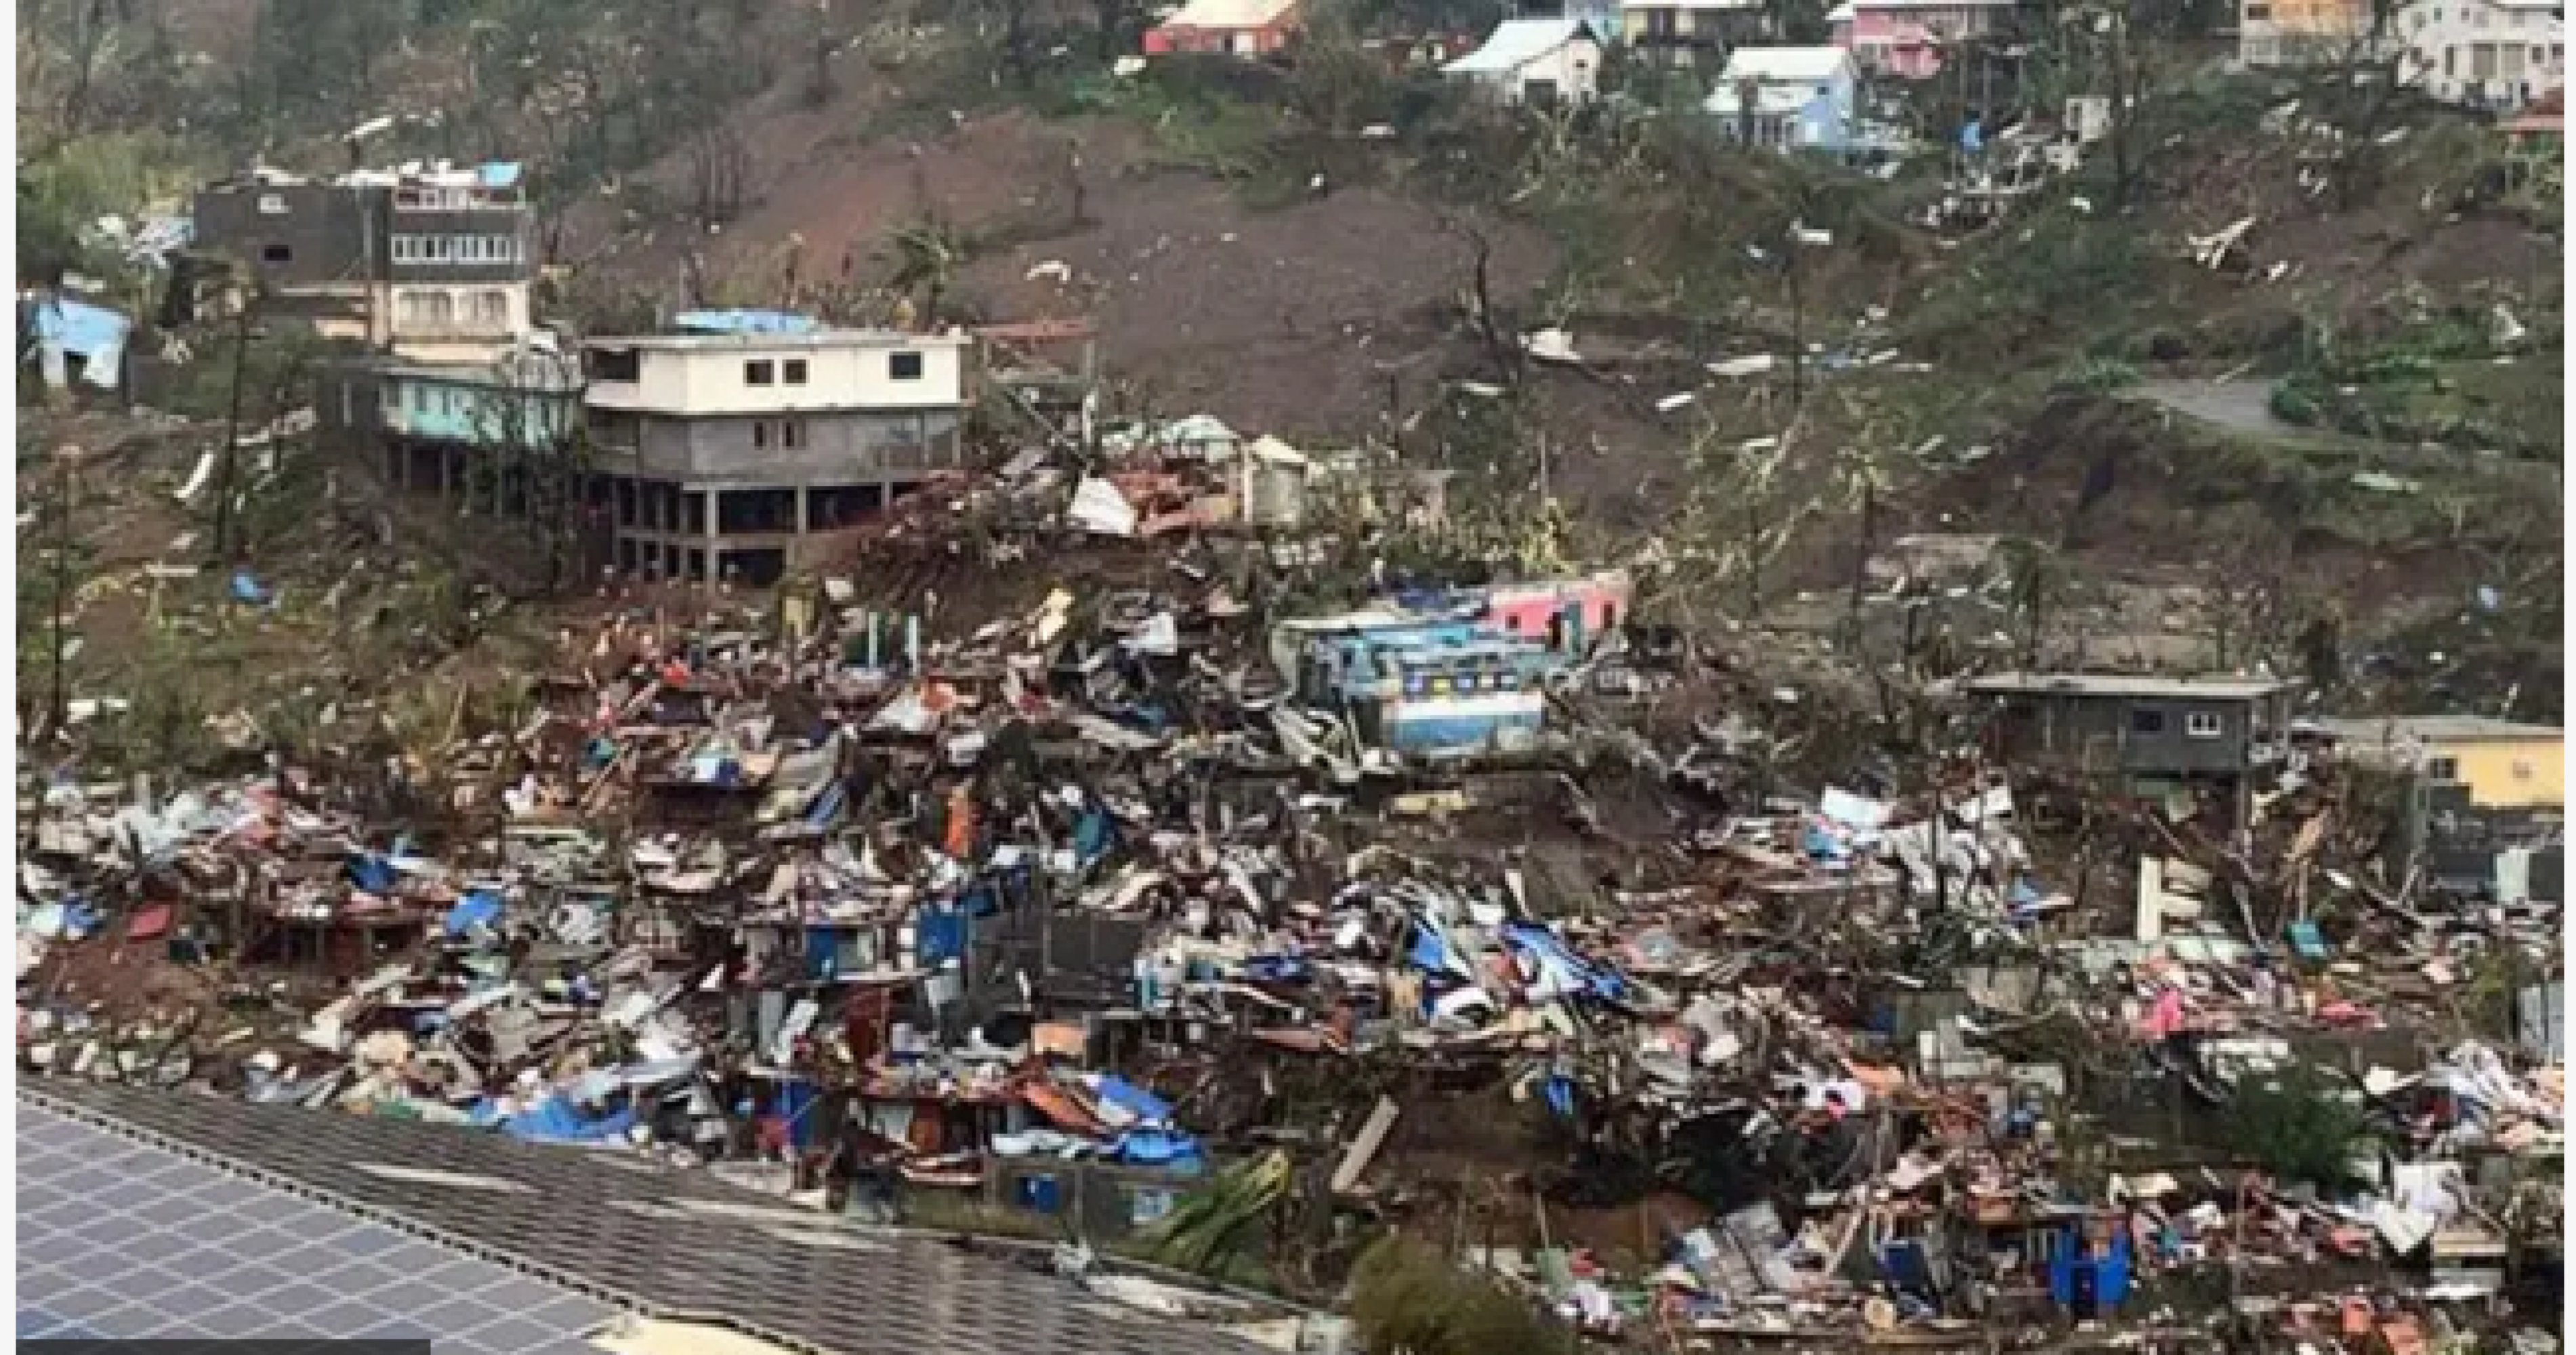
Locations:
{"points": [[1539, 61], [2492, 54], [726, 452]]}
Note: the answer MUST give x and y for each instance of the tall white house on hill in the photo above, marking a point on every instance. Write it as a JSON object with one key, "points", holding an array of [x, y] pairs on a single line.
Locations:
{"points": [[2491, 54]]}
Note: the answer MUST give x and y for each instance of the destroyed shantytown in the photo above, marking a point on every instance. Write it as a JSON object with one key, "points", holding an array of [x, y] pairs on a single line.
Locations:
{"points": [[1307, 675]]}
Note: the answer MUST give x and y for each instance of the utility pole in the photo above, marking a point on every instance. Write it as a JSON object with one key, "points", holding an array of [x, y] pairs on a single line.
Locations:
{"points": [[232, 428], [57, 695]]}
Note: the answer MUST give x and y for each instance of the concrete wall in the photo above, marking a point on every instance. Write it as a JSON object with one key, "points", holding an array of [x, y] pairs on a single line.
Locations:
{"points": [[2109, 734], [858, 372], [293, 234]]}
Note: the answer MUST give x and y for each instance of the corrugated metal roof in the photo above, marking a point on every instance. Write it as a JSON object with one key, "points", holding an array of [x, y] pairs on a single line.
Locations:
{"points": [[1515, 43]]}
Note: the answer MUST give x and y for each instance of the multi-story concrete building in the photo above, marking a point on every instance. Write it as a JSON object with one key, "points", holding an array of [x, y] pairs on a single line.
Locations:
{"points": [[431, 264], [726, 450], [2500, 55]]}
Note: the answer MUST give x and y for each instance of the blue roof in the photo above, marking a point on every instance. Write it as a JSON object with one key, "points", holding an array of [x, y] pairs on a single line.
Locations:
{"points": [[746, 322], [499, 174], [82, 329]]}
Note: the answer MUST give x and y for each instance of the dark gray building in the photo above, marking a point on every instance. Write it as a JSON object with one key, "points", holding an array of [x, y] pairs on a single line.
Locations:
{"points": [[433, 263], [2151, 735]]}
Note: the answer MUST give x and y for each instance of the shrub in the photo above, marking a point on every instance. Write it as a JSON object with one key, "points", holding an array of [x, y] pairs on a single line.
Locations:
{"points": [[2298, 1124]]}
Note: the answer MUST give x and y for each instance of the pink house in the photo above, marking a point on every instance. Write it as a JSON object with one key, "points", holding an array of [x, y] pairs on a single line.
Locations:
{"points": [[1566, 613], [1905, 38]]}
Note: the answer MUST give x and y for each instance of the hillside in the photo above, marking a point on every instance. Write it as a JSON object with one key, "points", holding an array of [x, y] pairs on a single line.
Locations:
{"points": [[1297, 252]]}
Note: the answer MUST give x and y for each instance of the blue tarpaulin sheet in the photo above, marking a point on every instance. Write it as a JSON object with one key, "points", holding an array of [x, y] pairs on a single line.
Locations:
{"points": [[1276, 968], [83, 330], [745, 322], [822, 953], [553, 1120], [1157, 1148], [1434, 952], [1551, 954], [247, 590], [499, 174], [1091, 835], [939, 935], [1135, 1100], [480, 908], [371, 872]]}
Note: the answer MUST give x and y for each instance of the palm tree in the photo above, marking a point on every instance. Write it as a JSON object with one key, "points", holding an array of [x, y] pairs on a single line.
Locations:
{"points": [[926, 256]]}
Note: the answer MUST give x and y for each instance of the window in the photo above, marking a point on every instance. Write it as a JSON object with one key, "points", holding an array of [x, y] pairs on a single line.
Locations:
{"points": [[2146, 720], [491, 307], [272, 204], [2442, 768], [2203, 724], [2256, 11], [406, 249], [792, 371], [390, 395], [277, 254], [2521, 769], [616, 364], [760, 435], [760, 372], [903, 366], [791, 433]]}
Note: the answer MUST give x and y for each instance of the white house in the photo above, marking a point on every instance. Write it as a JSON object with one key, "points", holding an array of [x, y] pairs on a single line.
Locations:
{"points": [[1804, 98], [1540, 61], [2493, 54]]}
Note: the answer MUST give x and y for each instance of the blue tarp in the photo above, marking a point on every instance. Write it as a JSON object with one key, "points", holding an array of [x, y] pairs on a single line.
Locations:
{"points": [[1135, 1100], [84, 331], [822, 953], [1552, 956], [745, 322], [1434, 952], [480, 908], [499, 174], [1091, 835], [1276, 969], [939, 934], [246, 590], [1158, 1148], [553, 1120], [371, 872]]}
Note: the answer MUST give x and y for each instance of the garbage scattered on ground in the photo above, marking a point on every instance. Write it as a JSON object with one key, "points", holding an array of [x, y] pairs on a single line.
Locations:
{"points": [[1197, 889]]}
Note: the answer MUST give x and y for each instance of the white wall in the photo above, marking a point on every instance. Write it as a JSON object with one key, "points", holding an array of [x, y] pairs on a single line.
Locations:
{"points": [[712, 378], [1574, 66], [2525, 47]]}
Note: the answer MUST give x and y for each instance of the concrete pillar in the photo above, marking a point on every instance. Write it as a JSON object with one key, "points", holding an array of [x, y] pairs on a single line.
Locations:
{"points": [[804, 523]]}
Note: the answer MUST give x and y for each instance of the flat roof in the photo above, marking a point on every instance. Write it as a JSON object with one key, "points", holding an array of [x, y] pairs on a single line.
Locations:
{"points": [[2397, 729], [623, 1230], [821, 338], [2214, 688]]}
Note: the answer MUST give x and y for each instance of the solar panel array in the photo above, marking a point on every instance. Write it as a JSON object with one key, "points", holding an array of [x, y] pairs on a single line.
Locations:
{"points": [[660, 1240], [120, 1240]]}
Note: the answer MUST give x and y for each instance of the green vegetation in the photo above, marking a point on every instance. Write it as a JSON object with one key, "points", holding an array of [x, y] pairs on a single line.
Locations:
{"points": [[2299, 1124], [1406, 1296], [1220, 1226]]}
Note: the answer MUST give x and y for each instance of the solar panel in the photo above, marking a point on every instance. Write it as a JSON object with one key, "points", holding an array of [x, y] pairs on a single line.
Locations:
{"points": [[121, 1241], [657, 1239]]}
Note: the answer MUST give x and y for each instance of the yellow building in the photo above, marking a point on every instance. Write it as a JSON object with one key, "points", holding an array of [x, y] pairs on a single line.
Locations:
{"points": [[2503, 764]]}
